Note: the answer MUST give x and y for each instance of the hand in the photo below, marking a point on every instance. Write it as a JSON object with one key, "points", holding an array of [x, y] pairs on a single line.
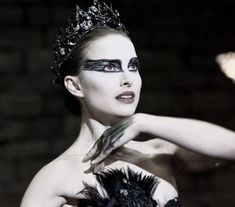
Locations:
{"points": [[113, 138]]}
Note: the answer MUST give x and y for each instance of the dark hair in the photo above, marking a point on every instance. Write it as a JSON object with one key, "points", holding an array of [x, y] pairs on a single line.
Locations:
{"points": [[75, 61]]}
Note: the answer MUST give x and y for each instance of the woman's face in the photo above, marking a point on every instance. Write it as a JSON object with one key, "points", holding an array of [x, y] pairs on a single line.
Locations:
{"points": [[109, 78]]}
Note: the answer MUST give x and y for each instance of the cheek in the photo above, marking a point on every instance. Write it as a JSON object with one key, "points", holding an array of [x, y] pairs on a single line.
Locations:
{"points": [[138, 82], [98, 85]]}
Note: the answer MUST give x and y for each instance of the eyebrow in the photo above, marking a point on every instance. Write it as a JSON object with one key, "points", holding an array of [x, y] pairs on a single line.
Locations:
{"points": [[97, 65], [134, 60]]}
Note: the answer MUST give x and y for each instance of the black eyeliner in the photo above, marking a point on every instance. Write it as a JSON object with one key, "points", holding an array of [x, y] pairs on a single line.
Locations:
{"points": [[134, 61], [99, 65]]}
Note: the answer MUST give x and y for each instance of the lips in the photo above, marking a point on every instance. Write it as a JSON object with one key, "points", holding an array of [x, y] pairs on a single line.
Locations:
{"points": [[126, 97]]}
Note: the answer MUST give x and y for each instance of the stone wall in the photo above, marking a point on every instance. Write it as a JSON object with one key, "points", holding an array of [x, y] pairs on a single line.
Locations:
{"points": [[176, 41]]}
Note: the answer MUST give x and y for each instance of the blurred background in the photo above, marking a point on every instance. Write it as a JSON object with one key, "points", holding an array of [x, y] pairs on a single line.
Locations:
{"points": [[177, 42]]}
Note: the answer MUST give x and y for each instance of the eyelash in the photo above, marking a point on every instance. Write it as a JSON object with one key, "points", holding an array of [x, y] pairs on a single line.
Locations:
{"points": [[133, 65], [107, 68], [110, 67], [134, 68]]}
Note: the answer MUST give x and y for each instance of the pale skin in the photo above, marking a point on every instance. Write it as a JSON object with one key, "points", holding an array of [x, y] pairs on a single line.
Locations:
{"points": [[108, 127]]}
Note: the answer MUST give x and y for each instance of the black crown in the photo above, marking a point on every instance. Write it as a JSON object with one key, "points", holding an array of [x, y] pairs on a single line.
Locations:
{"points": [[79, 24]]}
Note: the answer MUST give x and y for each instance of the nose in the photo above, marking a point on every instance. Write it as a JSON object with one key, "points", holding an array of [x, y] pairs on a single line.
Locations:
{"points": [[126, 80]]}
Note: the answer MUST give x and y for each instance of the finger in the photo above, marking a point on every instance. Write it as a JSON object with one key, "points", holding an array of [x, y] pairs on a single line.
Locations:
{"points": [[99, 167], [111, 144], [107, 141], [89, 170], [104, 155], [119, 127], [91, 153], [100, 158], [97, 149], [119, 132]]}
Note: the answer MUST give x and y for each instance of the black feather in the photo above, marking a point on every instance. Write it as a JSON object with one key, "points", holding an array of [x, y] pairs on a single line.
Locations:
{"points": [[122, 189]]}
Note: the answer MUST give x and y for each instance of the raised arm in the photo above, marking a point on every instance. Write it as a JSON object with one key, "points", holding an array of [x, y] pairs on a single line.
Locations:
{"points": [[199, 136]]}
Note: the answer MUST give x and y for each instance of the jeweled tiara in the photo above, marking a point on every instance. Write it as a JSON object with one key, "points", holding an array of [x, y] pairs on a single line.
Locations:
{"points": [[79, 24]]}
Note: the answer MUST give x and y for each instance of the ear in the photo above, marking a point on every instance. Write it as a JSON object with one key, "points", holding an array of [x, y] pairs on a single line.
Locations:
{"points": [[72, 84]]}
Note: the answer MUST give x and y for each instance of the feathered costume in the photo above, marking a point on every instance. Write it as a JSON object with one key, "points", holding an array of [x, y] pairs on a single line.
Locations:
{"points": [[123, 189]]}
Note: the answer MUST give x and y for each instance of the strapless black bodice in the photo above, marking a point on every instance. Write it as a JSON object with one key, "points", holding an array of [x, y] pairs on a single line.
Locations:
{"points": [[173, 203], [88, 203], [123, 188]]}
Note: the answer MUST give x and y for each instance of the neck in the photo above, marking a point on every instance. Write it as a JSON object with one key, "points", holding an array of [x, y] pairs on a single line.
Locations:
{"points": [[90, 131]]}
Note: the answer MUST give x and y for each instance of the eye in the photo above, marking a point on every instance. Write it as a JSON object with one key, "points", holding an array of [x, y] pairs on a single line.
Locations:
{"points": [[111, 68], [133, 67]]}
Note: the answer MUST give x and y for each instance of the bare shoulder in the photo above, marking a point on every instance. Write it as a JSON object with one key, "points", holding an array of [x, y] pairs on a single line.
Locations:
{"points": [[52, 183]]}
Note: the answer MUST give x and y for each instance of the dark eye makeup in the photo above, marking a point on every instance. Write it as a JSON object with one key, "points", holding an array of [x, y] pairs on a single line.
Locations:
{"points": [[103, 65], [133, 65], [110, 65]]}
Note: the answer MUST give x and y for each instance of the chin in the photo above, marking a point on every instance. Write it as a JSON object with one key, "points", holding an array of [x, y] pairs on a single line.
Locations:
{"points": [[113, 113], [125, 112]]}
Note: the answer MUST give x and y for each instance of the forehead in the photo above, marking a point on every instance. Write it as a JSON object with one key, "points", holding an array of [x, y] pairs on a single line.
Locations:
{"points": [[113, 46]]}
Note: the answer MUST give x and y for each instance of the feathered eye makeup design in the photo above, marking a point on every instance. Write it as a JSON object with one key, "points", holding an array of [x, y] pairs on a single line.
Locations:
{"points": [[110, 65], [103, 65], [133, 64]]}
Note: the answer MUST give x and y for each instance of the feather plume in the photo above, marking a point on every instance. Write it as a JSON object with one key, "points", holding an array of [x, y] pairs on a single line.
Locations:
{"points": [[122, 188]]}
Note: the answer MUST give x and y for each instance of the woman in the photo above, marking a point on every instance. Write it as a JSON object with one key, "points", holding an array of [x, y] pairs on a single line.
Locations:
{"points": [[98, 65]]}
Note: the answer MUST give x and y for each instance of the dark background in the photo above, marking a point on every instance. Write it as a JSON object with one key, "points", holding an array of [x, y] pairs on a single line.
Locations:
{"points": [[176, 41]]}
